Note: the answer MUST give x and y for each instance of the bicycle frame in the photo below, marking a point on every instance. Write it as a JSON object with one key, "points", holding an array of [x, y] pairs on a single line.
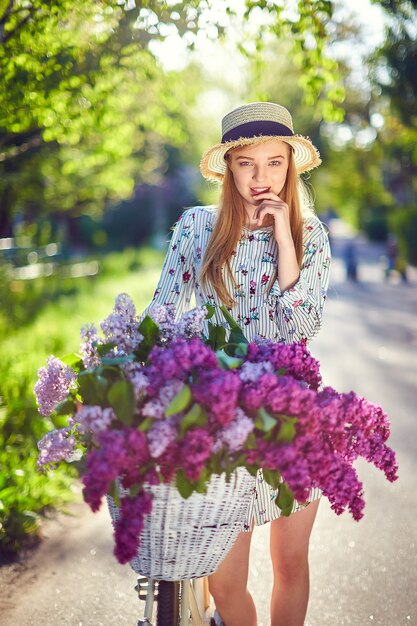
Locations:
{"points": [[195, 601]]}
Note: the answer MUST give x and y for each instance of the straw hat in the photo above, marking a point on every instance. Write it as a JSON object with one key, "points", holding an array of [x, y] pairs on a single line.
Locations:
{"points": [[255, 123]]}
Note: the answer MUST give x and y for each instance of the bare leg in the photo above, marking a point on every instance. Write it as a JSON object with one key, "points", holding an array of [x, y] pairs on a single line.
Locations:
{"points": [[289, 553], [228, 585]]}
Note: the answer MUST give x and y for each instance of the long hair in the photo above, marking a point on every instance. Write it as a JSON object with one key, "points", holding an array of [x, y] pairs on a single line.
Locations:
{"points": [[228, 230]]}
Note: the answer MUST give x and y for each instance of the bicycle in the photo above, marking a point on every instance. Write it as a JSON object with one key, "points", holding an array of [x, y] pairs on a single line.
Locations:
{"points": [[183, 542], [178, 603]]}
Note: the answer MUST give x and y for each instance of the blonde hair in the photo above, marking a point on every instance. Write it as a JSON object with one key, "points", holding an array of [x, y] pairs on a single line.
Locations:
{"points": [[230, 221]]}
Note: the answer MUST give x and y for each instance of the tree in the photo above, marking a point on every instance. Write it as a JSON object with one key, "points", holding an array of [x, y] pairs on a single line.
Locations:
{"points": [[85, 105]]}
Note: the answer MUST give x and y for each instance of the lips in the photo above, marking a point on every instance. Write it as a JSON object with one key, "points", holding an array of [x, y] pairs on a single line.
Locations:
{"points": [[256, 191]]}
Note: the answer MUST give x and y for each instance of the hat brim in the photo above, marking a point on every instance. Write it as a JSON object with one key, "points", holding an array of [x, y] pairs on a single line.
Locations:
{"points": [[306, 155]]}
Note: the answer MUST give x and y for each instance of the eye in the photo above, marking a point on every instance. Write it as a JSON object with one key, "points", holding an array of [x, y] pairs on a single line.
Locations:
{"points": [[275, 162], [244, 163]]}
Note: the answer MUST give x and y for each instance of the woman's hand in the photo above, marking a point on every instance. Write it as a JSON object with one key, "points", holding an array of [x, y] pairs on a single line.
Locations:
{"points": [[288, 270], [271, 204]]}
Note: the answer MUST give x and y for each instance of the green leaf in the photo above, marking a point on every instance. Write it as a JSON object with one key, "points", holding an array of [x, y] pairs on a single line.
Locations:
{"points": [[272, 478], [104, 348], [66, 407], [264, 421], [195, 417], [151, 335], [180, 402], [285, 499], [210, 310], [146, 424], [184, 486], [114, 492], [286, 432], [134, 490], [236, 334], [241, 349], [74, 360], [217, 335], [227, 362], [92, 388], [117, 360], [281, 372], [122, 399]]}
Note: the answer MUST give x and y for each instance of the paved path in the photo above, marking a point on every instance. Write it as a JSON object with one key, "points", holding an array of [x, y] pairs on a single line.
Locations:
{"points": [[362, 573]]}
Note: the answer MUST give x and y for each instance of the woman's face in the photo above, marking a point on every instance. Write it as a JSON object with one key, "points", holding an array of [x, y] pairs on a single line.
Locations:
{"points": [[259, 169]]}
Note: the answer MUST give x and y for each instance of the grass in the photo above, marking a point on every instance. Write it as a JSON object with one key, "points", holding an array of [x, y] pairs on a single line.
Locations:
{"points": [[40, 318]]}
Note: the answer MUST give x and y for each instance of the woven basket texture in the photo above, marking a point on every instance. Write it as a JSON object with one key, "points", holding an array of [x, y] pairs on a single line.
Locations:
{"points": [[189, 538]]}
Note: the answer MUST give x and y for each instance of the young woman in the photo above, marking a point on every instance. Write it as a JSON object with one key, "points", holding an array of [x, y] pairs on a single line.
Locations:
{"points": [[264, 254]]}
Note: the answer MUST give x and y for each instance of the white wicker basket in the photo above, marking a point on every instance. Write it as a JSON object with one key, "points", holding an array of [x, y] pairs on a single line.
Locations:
{"points": [[189, 538]]}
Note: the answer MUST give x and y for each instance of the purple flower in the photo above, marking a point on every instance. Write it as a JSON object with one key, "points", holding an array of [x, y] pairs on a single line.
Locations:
{"points": [[121, 326], [294, 358], [191, 323], [93, 419], [88, 347], [137, 376], [250, 372], [156, 406], [236, 433], [217, 390], [160, 436], [196, 448], [178, 360], [130, 524], [57, 445], [54, 383]]}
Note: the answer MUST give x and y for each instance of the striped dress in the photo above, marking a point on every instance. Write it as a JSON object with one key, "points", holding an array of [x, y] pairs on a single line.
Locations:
{"points": [[287, 316]]}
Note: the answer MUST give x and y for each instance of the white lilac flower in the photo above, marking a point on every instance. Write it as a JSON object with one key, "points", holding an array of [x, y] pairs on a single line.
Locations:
{"points": [[159, 437], [93, 419], [164, 317], [137, 377], [236, 433], [88, 347], [156, 408], [250, 372], [53, 385], [121, 326], [192, 322], [57, 445]]}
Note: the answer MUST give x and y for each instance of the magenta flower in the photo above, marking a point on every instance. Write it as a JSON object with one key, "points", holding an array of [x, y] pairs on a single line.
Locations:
{"points": [[196, 448], [130, 524]]}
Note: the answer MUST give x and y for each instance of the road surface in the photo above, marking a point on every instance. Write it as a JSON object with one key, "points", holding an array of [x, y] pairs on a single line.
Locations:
{"points": [[361, 573]]}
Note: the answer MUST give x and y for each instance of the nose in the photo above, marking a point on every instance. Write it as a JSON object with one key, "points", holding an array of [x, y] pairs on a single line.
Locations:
{"points": [[259, 173]]}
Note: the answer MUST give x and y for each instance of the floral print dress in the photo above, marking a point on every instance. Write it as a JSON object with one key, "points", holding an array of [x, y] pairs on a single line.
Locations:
{"points": [[262, 310]]}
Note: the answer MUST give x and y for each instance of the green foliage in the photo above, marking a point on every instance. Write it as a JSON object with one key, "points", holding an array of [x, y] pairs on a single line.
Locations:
{"points": [[403, 222], [54, 313]]}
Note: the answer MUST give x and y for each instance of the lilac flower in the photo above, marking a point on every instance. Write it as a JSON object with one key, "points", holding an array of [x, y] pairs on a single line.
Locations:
{"points": [[156, 406], [88, 347], [137, 376], [57, 445], [130, 524], [160, 436], [217, 390], [294, 358], [191, 323], [236, 433], [178, 360], [122, 453], [164, 317], [93, 419], [54, 383], [196, 448], [250, 372], [121, 326]]}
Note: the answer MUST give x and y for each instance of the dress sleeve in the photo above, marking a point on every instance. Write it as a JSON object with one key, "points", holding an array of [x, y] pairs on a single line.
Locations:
{"points": [[177, 281], [299, 309]]}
